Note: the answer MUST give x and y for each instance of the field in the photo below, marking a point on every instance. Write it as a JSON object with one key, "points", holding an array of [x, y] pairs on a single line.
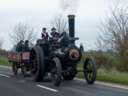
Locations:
{"points": [[4, 61]]}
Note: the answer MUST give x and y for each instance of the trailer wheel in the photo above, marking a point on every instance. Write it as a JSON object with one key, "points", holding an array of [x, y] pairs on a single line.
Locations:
{"points": [[38, 65], [14, 68], [56, 71], [24, 70], [90, 70]]}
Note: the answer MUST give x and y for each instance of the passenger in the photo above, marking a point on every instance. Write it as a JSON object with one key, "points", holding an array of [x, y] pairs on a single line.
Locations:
{"points": [[44, 34], [20, 46], [26, 46]]}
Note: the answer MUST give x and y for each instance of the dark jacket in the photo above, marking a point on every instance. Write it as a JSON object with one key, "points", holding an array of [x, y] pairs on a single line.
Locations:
{"points": [[55, 34], [20, 47], [45, 35]]}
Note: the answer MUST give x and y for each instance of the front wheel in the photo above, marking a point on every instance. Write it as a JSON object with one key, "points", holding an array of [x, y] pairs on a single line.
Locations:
{"points": [[56, 71], [90, 70]]}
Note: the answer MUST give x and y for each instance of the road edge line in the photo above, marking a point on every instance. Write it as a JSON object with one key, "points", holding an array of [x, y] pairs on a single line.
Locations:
{"points": [[106, 84]]}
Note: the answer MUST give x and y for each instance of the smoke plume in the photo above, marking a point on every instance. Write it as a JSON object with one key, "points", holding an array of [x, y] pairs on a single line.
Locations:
{"points": [[69, 5]]}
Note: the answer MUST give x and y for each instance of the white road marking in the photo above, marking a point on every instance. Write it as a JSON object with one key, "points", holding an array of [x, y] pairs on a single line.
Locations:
{"points": [[5, 75], [47, 88], [107, 84]]}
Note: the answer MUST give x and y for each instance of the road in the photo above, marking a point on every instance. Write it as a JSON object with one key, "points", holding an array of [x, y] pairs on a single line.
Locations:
{"points": [[19, 86]]}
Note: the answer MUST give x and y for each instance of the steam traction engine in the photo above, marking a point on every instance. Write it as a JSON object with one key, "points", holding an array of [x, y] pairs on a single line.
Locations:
{"points": [[60, 58]]}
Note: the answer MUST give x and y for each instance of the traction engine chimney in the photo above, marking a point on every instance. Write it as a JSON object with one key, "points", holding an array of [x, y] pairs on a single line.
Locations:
{"points": [[71, 21]]}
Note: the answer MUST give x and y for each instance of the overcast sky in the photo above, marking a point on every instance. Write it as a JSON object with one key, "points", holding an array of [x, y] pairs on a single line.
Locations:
{"points": [[39, 13]]}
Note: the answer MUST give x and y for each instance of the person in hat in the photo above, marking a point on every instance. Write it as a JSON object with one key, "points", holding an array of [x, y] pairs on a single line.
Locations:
{"points": [[44, 34], [54, 34]]}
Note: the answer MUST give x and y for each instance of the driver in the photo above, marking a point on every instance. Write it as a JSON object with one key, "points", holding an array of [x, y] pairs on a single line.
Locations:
{"points": [[44, 34], [54, 33]]}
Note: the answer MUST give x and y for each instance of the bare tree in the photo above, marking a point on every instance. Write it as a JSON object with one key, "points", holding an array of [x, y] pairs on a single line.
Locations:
{"points": [[115, 30], [115, 36], [60, 24], [22, 32]]}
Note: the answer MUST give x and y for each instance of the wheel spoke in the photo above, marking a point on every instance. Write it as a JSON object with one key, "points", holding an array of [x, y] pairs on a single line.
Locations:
{"points": [[90, 77]]}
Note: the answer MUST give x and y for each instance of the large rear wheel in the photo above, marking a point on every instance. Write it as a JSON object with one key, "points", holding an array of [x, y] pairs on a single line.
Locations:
{"points": [[56, 71], [38, 64], [90, 70]]}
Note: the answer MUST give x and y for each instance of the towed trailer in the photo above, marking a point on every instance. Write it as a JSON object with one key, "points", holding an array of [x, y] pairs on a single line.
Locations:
{"points": [[19, 60]]}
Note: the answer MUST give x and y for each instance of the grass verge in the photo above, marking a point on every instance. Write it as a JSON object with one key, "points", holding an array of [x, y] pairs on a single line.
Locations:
{"points": [[111, 76], [4, 61]]}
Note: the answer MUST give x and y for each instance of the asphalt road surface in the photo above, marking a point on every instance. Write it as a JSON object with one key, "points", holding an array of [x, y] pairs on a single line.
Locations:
{"points": [[19, 86]]}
